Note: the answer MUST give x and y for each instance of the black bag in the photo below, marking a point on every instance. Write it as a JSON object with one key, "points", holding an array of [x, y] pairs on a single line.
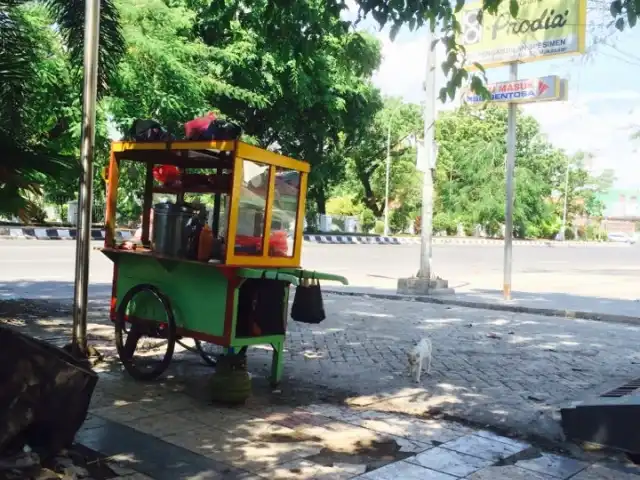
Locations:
{"points": [[222, 130], [307, 302], [148, 130]]}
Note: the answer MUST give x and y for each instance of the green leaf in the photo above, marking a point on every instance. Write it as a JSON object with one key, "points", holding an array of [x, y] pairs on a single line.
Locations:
{"points": [[395, 28], [479, 67], [443, 94], [620, 24], [615, 8], [632, 17], [514, 8]]}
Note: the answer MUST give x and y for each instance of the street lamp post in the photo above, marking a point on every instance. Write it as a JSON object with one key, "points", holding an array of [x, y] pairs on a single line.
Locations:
{"points": [[85, 198]]}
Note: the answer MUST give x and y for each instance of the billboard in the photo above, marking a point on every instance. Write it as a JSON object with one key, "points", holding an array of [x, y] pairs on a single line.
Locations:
{"points": [[543, 89], [542, 30]]}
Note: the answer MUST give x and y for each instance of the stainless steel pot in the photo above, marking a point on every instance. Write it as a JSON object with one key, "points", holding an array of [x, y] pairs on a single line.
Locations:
{"points": [[169, 229]]}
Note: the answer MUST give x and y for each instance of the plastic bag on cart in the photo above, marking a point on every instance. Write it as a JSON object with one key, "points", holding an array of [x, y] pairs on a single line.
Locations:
{"points": [[308, 306], [148, 130], [196, 128], [222, 130]]}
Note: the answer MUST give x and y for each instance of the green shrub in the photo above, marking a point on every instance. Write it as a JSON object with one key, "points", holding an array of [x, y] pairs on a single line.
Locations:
{"points": [[367, 220], [379, 227], [443, 221], [398, 220], [345, 206], [568, 234]]}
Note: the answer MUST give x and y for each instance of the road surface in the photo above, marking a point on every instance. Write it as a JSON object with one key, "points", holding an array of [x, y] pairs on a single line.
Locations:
{"points": [[44, 269]]}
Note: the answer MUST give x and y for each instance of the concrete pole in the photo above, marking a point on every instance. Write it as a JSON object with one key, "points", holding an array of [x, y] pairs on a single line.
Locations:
{"points": [[85, 200], [511, 164], [386, 188], [566, 195], [423, 283], [429, 143]]}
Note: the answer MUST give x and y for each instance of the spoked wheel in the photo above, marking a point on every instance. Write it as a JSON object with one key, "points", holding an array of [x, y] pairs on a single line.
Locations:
{"points": [[145, 347], [210, 352]]}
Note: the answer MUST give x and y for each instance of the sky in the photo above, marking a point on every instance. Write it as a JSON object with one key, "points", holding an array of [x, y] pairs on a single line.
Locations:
{"points": [[603, 107]]}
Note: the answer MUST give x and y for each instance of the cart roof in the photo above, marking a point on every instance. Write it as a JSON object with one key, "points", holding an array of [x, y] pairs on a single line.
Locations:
{"points": [[189, 153]]}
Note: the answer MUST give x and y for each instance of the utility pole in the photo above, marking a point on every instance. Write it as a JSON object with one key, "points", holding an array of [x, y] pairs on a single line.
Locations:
{"points": [[566, 196], [511, 165], [386, 188], [85, 199], [423, 284], [426, 226]]}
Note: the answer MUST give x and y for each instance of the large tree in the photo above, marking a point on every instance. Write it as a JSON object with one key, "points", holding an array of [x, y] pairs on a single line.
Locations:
{"points": [[36, 81]]}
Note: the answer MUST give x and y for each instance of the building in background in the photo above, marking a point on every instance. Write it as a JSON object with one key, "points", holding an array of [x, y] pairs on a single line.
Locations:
{"points": [[621, 210]]}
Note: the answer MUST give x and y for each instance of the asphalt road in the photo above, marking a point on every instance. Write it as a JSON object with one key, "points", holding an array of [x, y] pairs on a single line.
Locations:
{"points": [[45, 268]]}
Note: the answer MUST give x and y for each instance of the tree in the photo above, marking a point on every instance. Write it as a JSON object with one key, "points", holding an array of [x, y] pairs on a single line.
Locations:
{"points": [[34, 120], [310, 76], [366, 157], [470, 175]]}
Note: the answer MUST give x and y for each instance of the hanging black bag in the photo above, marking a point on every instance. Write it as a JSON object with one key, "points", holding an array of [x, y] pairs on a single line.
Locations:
{"points": [[307, 302]]}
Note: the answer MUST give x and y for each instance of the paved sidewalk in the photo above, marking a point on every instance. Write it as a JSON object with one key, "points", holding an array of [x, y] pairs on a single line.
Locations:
{"points": [[542, 303], [169, 434], [507, 370], [510, 372]]}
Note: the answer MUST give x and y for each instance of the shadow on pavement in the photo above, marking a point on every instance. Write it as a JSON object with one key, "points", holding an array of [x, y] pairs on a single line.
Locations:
{"points": [[510, 371]]}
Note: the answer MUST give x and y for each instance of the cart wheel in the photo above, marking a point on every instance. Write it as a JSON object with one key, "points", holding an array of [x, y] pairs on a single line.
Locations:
{"points": [[144, 367], [210, 352]]}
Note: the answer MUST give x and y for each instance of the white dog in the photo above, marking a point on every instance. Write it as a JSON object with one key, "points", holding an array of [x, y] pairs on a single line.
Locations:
{"points": [[417, 357]]}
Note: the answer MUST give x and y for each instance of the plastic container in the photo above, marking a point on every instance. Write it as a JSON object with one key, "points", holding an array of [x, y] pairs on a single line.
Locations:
{"points": [[205, 244], [169, 229]]}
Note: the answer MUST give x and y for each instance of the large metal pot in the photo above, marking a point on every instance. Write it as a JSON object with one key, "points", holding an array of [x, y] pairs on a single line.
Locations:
{"points": [[169, 229]]}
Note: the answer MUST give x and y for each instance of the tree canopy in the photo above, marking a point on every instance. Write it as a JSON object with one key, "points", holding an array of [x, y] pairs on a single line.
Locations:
{"points": [[298, 78]]}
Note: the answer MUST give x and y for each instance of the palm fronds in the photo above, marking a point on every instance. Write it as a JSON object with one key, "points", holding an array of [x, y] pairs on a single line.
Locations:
{"points": [[69, 15]]}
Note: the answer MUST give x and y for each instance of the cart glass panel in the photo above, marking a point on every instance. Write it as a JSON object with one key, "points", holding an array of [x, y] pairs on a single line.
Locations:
{"points": [[252, 207], [286, 197]]}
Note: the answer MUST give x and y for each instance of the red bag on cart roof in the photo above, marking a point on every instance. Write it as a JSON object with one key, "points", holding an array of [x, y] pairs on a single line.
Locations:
{"points": [[195, 128]]}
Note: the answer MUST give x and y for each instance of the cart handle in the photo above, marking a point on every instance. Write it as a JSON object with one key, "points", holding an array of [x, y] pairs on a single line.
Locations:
{"points": [[270, 274], [310, 274], [324, 276]]}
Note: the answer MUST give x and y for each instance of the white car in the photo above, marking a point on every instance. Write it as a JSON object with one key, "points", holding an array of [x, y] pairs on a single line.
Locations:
{"points": [[621, 238]]}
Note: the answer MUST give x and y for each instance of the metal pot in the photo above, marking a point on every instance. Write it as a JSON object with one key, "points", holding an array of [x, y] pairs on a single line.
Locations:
{"points": [[169, 229]]}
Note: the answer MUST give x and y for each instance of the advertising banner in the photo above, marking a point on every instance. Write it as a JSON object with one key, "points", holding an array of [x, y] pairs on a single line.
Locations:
{"points": [[543, 89], [543, 29]]}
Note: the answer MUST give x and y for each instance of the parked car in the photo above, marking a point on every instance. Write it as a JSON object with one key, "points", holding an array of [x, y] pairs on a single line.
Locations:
{"points": [[621, 238]]}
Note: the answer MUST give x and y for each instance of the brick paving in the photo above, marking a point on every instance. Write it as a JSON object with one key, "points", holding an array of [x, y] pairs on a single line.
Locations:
{"points": [[510, 371], [263, 439]]}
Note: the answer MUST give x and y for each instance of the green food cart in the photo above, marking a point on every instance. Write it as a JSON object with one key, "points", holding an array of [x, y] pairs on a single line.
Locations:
{"points": [[233, 299]]}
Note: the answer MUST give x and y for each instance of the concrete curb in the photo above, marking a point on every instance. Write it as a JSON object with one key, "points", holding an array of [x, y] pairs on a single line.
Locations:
{"points": [[548, 312], [382, 240], [42, 233]]}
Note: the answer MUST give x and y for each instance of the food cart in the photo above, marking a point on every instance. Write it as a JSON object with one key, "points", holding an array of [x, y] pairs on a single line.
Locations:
{"points": [[237, 296]]}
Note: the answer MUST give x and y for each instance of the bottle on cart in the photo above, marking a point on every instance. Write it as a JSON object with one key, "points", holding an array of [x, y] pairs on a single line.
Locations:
{"points": [[205, 244], [192, 233]]}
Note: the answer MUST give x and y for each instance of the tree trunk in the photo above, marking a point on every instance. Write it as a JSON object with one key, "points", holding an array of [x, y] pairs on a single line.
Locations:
{"points": [[369, 196], [321, 198]]}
